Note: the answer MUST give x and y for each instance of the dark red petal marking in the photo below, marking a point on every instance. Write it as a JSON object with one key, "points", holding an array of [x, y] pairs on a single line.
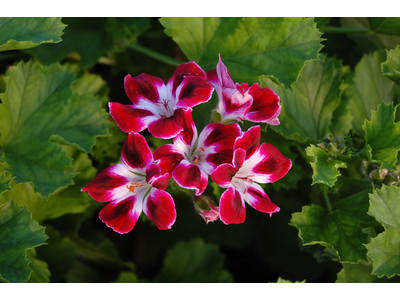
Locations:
{"points": [[249, 141], [192, 91], [265, 104], [274, 163], [223, 175], [221, 157], [189, 176], [129, 118], [232, 209], [135, 152], [260, 201], [238, 158], [164, 128], [182, 71], [184, 117], [242, 88], [152, 171], [120, 216], [161, 182], [223, 136], [168, 158], [102, 185], [143, 86], [160, 208]]}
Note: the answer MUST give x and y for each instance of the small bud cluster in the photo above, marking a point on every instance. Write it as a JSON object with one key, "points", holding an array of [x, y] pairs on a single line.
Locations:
{"points": [[380, 175], [337, 147]]}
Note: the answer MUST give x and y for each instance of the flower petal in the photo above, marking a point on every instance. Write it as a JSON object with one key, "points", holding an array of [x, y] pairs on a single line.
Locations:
{"points": [[122, 215], [186, 139], [181, 72], [154, 177], [265, 107], [192, 91], [239, 157], [168, 158], [249, 141], [232, 209], [109, 184], [136, 154], [160, 208], [259, 200], [224, 76], [129, 118], [212, 77], [167, 128], [144, 87], [190, 176], [234, 105], [223, 175]]}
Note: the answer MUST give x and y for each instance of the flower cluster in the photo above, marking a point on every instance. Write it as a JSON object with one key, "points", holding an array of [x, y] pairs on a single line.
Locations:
{"points": [[233, 159]]}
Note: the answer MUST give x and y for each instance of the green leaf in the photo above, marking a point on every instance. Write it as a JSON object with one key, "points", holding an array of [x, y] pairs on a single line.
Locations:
{"points": [[280, 280], [127, 277], [249, 47], [325, 169], [38, 107], [5, 180], [384, 249], [24, 33], [18, 233], [384, 32], [338, 228], [356, 273], [368, 89], [40, 269], [194, 261], [307, 109], [391, 67], [69, 200], [382, 136]]}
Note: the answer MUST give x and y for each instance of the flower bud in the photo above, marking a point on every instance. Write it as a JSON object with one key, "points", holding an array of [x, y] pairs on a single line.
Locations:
{"points": [[206, 208]]}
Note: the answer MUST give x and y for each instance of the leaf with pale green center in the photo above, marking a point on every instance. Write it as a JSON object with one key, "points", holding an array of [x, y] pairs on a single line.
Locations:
{"points": [[69, 200], [368, 89], [384, 249], [307, 109], [39, 106], [194, 261], [382, 136], [325, 170], [338, 228], [24, 33], [18, 233], [391, 67], [249, 47], [40, 269]]}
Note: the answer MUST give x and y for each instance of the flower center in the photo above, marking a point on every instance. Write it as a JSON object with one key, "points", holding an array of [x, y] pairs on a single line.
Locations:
{"points": [[197, 155], [132, 186], [166, 109]]}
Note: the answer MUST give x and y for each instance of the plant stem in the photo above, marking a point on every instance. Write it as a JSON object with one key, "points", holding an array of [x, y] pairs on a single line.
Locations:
{"points": [[358, 181], [156, 55], [327, 201], [344, 30]]}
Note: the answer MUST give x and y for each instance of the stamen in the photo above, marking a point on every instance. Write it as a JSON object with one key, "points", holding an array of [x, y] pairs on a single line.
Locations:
{"points": [[202, 149], [196, 161], [132, 187]]}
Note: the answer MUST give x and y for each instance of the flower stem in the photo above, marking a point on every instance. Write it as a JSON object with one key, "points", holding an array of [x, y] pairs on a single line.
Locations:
{"points": [[156, 55], [346, 30], [327, 201]]}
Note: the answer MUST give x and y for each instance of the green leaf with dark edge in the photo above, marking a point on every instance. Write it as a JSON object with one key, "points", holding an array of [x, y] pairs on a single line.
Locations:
{"points": [[307, 109], [39, 105], [382, 136], [325, 170], [18, 233], [24, 33], [40, 269], [5, 180], [391, 67], [69, 200], [384, 249], [194, 261], [384, 32], [280, 280], [249, 47], [338, 228], [368, 89]]}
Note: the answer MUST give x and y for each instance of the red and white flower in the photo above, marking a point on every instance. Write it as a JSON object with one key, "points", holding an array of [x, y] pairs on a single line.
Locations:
{"points": [[159, 107], [191, 158], [241, 102], [250, 164], [132, 186]]}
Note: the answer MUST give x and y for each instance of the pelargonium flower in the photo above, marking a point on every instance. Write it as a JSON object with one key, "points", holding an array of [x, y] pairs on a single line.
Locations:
{"points": [[250, 164], [191, 158], [239, 101], [159, 107], [131, 186], [206, 208]]}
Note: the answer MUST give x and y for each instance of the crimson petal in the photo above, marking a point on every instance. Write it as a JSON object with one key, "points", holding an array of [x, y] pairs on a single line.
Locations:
{"points": [[190, 176], [160, 208], [259, 200], [168, 158], [223, 175], [135, 152], [183, 71], [122, 215], [129, 118], [143, 86], [232, 209], [167, 128], [249, 141], [192, 91], [154, 177]]}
